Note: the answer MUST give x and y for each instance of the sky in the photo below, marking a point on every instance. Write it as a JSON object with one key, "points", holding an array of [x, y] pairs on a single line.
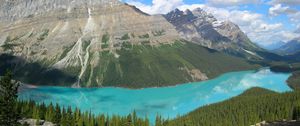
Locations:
{"points": [[264, 21]]}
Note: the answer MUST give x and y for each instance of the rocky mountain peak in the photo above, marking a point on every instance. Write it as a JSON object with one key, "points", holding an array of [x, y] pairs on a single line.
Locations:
{"points": [[203, 28], [198, 12], [188, 12], [174, 15]]}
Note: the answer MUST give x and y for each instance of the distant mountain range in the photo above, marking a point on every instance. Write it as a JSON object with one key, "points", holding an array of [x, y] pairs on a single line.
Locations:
{"points": [[273, 46], [94, 43], [289, 48]]}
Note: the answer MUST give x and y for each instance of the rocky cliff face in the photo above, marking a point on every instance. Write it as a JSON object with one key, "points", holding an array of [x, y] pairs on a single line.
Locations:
{"points": [[18, 9], [201, 27]]}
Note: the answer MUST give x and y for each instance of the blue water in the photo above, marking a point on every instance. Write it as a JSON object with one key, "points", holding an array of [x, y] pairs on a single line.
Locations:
{"points": [[168, 101]]}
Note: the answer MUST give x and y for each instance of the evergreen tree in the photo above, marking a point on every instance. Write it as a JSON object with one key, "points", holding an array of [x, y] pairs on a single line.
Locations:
{"points": [[63, 120], [296, 113], [146, 122], [42, 111], [77, 117], [35, 113], [50, 113], [67, 117], [57, 115], [129, 120], [8, 100], [158, 121], [135, 118], [70, 116]]}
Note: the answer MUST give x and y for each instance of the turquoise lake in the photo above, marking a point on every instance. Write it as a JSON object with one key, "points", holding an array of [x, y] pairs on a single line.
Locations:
{"points": [[167, 101]]}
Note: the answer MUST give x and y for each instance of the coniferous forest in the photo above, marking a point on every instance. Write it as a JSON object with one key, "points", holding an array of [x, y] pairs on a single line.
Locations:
{"points": [[253, 106], [69, 117]]}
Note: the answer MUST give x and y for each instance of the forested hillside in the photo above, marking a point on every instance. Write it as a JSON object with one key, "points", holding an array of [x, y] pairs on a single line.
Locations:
{"points": [[253, 106], [74, 117]]}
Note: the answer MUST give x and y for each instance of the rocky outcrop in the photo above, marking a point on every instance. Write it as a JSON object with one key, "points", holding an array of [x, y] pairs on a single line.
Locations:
{"points": [[279, 123], [35, 122]]}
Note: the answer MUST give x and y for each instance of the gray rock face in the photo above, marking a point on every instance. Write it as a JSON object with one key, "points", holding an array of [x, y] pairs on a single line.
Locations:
{"points": [[16, 9], [33, 122], [200, 27]]}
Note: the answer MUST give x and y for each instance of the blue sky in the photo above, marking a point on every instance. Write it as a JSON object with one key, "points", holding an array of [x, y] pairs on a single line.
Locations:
{"points": [[264, 21]]}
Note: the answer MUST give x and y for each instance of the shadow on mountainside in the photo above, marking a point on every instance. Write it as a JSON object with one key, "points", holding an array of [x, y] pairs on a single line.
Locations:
{"points": [[34, 73]]}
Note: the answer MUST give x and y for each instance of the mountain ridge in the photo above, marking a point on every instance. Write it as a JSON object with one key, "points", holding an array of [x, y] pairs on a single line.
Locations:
{"points": [[203, 28]]}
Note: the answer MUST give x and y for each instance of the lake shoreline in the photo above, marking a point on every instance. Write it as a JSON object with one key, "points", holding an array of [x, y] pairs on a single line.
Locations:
{"points": [[129, 88]]}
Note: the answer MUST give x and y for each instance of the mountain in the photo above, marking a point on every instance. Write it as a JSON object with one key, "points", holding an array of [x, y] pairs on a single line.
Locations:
{"points": [[72, 34], [202, 28], [289, 48], [273, 46], [95, 43]]}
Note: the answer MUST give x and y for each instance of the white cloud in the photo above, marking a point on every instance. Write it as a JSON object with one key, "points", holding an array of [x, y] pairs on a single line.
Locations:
{"points": [[232, 2], [292, 13], [288, 35], [244, 18], [191, 7], [287, 2], [295, 18], [158, 6], [279, 9]]}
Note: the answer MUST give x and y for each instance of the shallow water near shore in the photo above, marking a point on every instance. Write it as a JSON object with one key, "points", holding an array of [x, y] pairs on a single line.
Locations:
{"points": [[166, 101]]}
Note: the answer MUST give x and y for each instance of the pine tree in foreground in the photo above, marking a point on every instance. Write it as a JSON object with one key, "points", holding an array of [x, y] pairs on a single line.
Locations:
{"points": [[8, 100]]}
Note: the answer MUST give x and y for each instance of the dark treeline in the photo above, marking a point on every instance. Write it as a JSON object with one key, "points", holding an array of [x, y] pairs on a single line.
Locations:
{"points": [[285, 67], [294, 80], [68, 117], [253, 106]]}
